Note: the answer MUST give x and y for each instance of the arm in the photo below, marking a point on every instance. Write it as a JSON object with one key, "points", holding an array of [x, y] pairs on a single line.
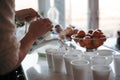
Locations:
{"points": [[11, 52], [37, 28], [27, 15]]}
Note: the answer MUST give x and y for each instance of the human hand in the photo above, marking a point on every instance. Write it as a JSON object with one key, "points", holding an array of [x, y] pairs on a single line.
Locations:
{"points": [[39, 27], [27, 15]]}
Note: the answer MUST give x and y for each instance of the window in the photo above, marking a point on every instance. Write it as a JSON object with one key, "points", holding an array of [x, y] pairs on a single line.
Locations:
{"points": [[109, 15], [76, 13], [23, 4]]}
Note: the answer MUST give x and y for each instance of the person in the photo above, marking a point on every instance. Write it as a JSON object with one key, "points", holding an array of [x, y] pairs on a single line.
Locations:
{"points": [[12, 51]]}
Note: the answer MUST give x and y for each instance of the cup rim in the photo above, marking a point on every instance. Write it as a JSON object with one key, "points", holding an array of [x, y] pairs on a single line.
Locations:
{"points": [[50, 50], [98, 57], [105, 50], [70, 55], [76, 61], [77, 51]]}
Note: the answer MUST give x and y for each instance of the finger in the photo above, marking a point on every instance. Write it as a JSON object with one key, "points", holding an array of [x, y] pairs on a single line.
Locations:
{"points": [[49, 27], [33, 13], [29, 18], [46, 20]]}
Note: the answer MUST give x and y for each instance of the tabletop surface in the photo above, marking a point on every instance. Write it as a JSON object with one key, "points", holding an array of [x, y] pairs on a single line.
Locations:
{"points": [[36, 68]]}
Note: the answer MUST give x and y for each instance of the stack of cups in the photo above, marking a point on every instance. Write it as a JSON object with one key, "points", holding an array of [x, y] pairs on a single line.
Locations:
{"points": [[100, 65], [80, 69], [106, 53], [58, 62], [68, 57], [88, 55], [99, 60], [55, 59], [101, 72], [49, 53], [117, 66]]}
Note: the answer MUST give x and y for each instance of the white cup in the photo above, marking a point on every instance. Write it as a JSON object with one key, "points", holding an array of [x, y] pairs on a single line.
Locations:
{"points": [[98, 60], [75, 51], [80, 69], [58, 62], [88, 55], [67, 59], [117, 65], [107, 53], [49, 53], [101, 72]]}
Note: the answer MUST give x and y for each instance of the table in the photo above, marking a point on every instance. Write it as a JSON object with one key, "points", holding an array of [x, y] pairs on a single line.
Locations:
{"points": [[36, 68]]}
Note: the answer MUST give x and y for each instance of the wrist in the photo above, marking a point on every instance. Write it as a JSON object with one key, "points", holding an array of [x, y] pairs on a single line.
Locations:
{"points": [[30, 37]]}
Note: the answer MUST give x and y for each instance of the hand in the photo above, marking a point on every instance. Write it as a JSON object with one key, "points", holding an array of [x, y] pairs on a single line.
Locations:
{"points": [[39, 28], [27, 15]]}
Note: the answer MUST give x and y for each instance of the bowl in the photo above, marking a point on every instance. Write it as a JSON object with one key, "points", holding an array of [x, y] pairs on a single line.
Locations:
{"points": [[89, 42]]}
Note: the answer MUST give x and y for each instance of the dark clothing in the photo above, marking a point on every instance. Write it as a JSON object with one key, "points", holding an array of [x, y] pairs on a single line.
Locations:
{"points": [[17, 74]]}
